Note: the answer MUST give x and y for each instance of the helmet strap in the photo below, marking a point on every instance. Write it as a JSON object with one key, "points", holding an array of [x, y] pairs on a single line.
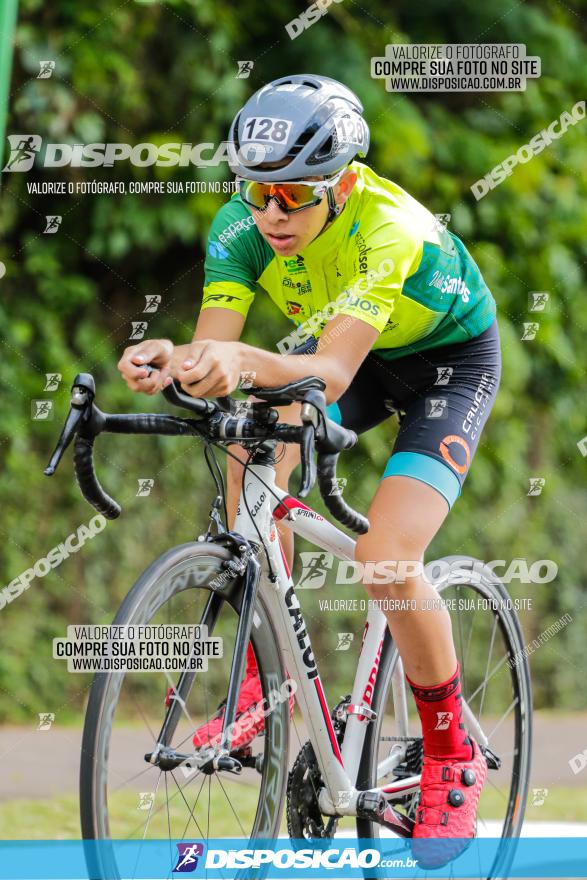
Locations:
{"points": [[333, 209]]}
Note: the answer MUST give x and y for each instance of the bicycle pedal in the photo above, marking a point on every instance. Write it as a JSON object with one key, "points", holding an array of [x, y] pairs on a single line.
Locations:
{"points": [[493, 760]]}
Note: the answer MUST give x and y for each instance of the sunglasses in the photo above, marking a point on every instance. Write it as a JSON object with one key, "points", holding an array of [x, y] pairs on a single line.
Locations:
{"points": [[292, 196]]}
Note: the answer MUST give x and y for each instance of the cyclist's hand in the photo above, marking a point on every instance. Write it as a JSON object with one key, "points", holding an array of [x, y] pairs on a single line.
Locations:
{"points": [[157, 352], [210, 368]]}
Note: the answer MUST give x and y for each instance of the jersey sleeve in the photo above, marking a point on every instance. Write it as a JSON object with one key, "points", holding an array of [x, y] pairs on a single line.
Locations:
{"points": [[234, 259], [383, 255]]}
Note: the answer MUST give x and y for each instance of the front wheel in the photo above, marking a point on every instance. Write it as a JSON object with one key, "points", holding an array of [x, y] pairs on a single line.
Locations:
{"points": [[496, 686], [124, 797]]}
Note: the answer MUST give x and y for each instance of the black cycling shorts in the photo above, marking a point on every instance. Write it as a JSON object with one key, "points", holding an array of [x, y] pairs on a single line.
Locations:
{"points": [[443, 397]]}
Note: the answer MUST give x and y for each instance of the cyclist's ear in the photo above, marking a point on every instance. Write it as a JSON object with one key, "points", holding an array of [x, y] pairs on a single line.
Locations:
{"points": [[345, 186]]}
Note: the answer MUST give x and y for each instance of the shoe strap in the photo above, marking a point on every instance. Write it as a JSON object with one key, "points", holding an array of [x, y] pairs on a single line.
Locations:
{"points": [[439, 773], [429, 814]]}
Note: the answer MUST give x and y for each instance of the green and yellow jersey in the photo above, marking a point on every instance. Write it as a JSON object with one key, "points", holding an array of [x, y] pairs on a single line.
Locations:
{"points": [[386, 260]]}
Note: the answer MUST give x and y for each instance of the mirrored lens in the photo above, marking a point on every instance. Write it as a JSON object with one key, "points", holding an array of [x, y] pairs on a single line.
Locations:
{"points": [[291, 196]]}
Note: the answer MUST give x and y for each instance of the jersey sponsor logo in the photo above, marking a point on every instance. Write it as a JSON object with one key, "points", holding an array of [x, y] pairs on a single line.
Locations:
{"points": [[233, 229], [297, 285], [295, 265], [354, 228], [215, 249], [450, 284], [219, 297], [471, 424], [362, 305], [452, 440], [293, 308], [363, 250]]}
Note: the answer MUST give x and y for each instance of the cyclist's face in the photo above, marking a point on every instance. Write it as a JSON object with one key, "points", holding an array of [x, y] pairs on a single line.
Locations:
{"points": [[289, 234]]}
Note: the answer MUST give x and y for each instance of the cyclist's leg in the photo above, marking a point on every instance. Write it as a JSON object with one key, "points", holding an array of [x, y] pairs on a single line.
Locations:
{"points": [[423, 479], [404, 517]]}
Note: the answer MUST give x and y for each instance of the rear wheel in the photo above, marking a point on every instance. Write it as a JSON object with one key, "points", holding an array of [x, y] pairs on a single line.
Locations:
{"points": [[496, 686], [124, 797]]}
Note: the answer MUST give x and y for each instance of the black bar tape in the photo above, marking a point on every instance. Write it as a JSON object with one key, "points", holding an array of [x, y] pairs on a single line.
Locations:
{"points": [[83, 460]]}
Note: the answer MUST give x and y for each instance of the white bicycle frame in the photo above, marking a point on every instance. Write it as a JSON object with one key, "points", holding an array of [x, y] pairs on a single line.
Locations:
{"points": [[257, 513]]}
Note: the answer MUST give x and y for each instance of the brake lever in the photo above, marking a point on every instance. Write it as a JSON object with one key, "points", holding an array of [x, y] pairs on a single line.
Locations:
{"points": [[83, 392], [195, 404], [307, 457], [174, 395]]}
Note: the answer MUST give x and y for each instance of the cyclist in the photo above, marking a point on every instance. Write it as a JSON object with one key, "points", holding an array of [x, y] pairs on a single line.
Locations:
{"points": [[393, 313]]}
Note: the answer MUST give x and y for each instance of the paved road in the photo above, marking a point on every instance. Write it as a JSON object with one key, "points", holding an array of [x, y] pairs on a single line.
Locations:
{"points": [[38, 764]]}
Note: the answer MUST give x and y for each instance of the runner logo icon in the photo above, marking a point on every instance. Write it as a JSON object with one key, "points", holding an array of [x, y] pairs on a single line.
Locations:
{"points": [[187, 857], [444, 719], [23, 149]]}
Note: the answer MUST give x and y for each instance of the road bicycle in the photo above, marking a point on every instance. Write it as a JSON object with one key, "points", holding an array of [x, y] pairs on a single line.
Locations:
{"points": [[362, 758]]}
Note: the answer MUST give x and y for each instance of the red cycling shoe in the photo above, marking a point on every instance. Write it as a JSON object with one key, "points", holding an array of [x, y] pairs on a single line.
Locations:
{"points": [[250, 714], [249, 719], [450, 792]]}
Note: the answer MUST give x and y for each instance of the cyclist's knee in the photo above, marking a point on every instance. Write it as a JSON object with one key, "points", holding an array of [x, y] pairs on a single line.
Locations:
{"points": [[393, 574]]}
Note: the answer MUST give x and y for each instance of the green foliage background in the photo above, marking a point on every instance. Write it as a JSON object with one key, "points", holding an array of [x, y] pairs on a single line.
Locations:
{"points": [[160, 72]]}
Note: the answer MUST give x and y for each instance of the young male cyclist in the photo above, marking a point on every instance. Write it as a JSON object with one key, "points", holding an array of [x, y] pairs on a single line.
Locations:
{"points": [[403, 320]]}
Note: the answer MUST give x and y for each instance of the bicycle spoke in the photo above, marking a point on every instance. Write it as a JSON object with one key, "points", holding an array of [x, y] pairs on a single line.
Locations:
{"points": [[144, 717], [191, 811], [493, 632], [460, 624], [485, 682], [493, 785], [469, 640], [230, 805], [138, 775], [503, 717], [159, 809], [167, 802], [148, 819]]}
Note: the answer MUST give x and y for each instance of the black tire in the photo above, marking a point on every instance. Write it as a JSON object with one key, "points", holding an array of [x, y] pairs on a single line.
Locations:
{"points": [[488, 587], [188, 567]]}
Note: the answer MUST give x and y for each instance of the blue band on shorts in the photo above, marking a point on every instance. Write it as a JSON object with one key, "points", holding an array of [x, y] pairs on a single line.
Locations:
{"points": [[333, 412], [427, 470]]}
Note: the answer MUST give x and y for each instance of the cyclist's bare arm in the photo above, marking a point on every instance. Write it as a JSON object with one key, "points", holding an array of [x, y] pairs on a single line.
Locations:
{"points": [[213, 368], [223, 325]]}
